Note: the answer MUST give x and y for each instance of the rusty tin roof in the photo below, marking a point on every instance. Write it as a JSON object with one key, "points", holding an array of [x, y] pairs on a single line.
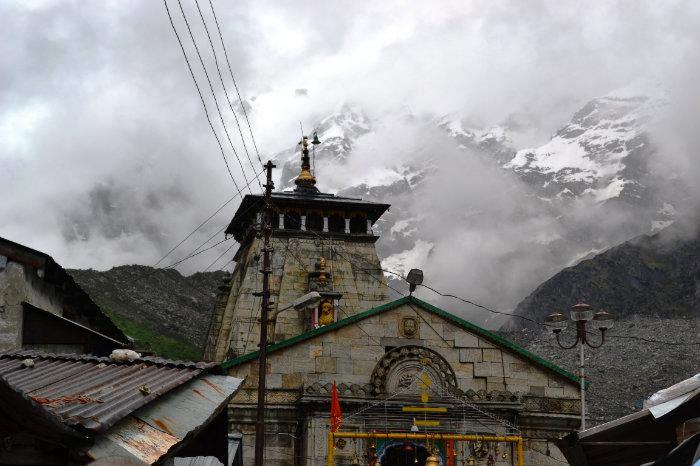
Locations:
{"points": [[89, 393]]}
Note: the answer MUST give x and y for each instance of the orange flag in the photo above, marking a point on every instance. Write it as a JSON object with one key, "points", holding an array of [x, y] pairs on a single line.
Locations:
{"points": [[336, 414]]}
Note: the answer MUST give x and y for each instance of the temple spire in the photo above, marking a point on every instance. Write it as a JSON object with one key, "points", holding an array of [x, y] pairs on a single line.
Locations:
{"points": [[306, 182]]}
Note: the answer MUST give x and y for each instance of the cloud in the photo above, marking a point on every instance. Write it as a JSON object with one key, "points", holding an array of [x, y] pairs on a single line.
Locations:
{"points": [[108, 159]]}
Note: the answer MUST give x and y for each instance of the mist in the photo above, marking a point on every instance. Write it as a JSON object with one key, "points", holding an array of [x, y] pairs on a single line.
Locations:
{"points": [[106, 157]]}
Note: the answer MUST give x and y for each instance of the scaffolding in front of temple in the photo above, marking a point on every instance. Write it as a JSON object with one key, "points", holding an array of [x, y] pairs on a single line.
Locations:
{"points": [[439, 423]]}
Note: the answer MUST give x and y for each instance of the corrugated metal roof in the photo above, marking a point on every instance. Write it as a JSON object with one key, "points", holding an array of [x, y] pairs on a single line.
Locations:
{"points": [[197, 461], [92, 393], [149, 433]]}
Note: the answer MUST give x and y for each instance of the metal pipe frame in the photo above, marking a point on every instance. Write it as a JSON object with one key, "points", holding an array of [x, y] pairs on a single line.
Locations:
{"points": [[516, 439]]}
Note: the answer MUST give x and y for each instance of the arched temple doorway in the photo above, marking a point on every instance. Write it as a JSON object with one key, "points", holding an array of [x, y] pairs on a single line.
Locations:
{"points": [[404, 454]]}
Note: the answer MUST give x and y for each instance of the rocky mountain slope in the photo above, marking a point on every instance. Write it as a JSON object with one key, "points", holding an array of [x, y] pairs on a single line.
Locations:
{"points": [[651, 284], [626, 369], [652, 275], [159, 300]]}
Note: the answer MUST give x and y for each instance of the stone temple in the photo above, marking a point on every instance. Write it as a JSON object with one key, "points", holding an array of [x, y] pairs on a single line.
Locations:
{"points": [[386, 357]]}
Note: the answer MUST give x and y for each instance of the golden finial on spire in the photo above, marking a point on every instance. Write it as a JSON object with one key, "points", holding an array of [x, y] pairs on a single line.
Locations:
{"points": [[306, 180]]}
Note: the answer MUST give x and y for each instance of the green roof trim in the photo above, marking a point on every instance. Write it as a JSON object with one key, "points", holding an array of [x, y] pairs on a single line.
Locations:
{"points": [[493, 337]]}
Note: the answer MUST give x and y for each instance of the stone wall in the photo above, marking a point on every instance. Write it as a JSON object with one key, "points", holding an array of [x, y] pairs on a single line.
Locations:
{"points": [[549, 402], [18, 283], [354, 268]]}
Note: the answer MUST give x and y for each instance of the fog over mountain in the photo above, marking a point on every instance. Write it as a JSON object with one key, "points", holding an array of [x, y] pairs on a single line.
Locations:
{"points": [[512, 138]]}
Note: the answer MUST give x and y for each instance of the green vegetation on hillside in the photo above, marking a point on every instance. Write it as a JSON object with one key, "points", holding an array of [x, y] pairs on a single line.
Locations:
{"points": [[148, 339]]}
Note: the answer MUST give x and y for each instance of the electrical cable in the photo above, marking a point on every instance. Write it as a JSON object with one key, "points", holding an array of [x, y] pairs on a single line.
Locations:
{"points": [[371, 338], [389, 286], [240, 100], [199, 226], [213, 94], [541, 324], [201, 97], [196, 254], [220, 256], [228, 99]]}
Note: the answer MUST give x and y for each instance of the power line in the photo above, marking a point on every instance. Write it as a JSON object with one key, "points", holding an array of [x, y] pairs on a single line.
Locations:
{"points": [[541, 324], [220, 256], [207, 240], [481, 306], [245, 114], [196, 253], [371, 338], [199, 226], [211, 88], [201, 97], [218, 70], [380, 281]]}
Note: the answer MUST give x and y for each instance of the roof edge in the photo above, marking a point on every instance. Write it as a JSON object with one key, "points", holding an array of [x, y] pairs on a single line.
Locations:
{"points": [[466, 325]]}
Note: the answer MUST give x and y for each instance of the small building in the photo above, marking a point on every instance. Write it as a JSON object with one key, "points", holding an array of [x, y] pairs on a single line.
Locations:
{"points": [[665, 433], [42, 308], [72, 409]]}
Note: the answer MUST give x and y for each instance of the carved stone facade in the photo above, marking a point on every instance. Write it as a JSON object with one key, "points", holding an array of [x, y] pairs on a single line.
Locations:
{"points": [[371, 360], [397, 369]]}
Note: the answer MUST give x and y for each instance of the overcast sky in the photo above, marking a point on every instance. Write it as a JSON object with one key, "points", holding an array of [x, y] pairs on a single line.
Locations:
{"points": [[106, 157]]}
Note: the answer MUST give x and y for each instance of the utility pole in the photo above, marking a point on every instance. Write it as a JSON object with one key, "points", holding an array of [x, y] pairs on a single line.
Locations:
{"points": [[264, 311], [582, 376]]}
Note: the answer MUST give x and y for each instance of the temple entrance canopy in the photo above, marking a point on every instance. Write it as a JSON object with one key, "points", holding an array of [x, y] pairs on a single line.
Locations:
{"points": [[421, 413]]}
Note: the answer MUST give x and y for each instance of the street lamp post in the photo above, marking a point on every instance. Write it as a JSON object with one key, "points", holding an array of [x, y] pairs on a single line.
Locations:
{"points": [[309, 299], [583, 315]]}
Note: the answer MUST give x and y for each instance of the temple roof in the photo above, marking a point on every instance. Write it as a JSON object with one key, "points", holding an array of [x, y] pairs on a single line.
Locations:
{"points": [[466, 325], [253, 203]]}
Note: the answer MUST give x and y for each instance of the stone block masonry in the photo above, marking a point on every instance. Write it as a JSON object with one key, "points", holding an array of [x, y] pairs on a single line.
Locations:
{"points": [[355, 272], [348, 356]]}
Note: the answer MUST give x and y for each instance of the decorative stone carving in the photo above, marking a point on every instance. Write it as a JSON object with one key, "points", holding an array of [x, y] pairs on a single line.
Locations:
{"points": [[344, 390], [321, 279], [409, 327], [498, 396], [552, 405], [398, 369]]}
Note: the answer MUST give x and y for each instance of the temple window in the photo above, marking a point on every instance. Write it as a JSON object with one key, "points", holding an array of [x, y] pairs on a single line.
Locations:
{"points": [[292, 220], [314, 221], [336, 223], [358, 225]]}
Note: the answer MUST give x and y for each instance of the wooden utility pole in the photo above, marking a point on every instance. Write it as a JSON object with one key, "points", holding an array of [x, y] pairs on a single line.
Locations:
{"points": [[264, 311]]}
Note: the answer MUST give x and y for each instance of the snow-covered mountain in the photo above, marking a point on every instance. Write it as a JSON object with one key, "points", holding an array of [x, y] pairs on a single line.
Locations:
{"points": [[594, 179], [602, 153]]}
